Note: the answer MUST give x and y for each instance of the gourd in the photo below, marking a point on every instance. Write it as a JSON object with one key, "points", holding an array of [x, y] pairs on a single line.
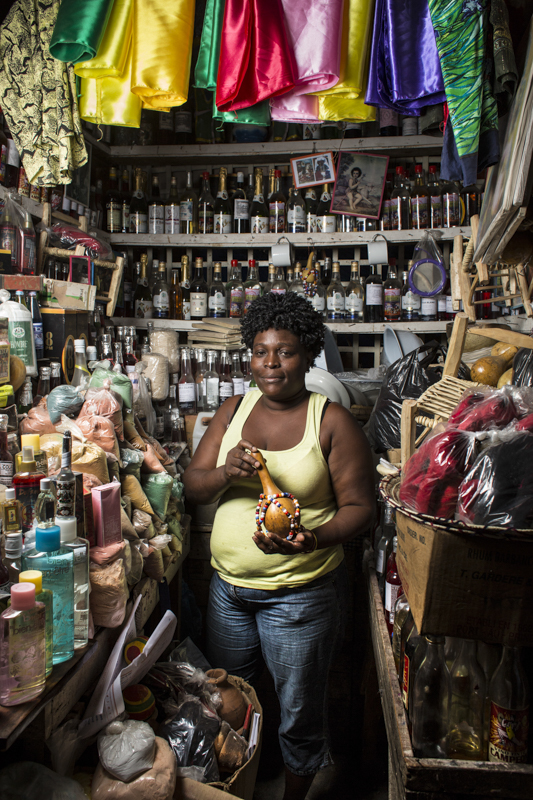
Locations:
{"points": [[17, 372], [505, 351], [506, 378], [488, 370], [279, 511]]}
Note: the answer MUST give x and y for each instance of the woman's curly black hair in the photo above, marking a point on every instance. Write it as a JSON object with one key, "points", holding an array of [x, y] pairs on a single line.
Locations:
{"points": [[287, 312]]}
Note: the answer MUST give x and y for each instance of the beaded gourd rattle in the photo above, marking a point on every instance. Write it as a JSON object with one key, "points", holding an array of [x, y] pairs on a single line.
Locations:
{"points": [[278, 511]]}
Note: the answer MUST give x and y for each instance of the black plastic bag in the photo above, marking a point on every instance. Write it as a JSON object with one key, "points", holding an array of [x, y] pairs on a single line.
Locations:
{"points": [[523, 367], [406, 379], [191, 735]]}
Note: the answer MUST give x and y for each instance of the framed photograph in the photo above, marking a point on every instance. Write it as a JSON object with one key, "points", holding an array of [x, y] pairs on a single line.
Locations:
{"points": [[313, 170], [360, 184]]}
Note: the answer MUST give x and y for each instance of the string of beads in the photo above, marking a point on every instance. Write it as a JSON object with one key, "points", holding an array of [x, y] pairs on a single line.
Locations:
{"points": [[266, 500]]}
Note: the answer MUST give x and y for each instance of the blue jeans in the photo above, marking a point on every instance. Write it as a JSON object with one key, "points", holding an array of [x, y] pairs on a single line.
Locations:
{"points": [[295, 632]]}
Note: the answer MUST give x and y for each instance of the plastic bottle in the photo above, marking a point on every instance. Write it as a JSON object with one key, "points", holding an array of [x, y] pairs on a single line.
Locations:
{"points": [[20, 332], [46, 597], [80, 549], [22, 647]]}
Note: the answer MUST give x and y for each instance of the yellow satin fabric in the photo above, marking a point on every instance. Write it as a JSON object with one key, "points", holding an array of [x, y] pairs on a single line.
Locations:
{"points": [[162, 50], [111, 59]]}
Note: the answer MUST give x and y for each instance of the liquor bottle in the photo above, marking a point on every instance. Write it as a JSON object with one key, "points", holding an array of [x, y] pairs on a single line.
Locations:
{"points": [[186, 287], [186, 384], [280, 284], [311, 207], [385, 221], [354, 304], [393, 586], [170, 406], [326, 222], [189, 208], [235, 292], [80, 551], [451, 207], [161, 294], [138, 206], [22, 647], [183, 117], [156, 209], [430, 704], [27, 245], [471, 203], [335, 295], [6, 459], [176, 297], [223, 218], [113, 204], [46, 597], [252, 286], [236, 375], [9, 239], [43, 386], [466, 740], [297, 286], [442, 306], [384, 546], [98, 204], [212, 383], [199, 292], [56, 563], [509, 710], [27, 485], [401, 612], [271, 279], [172, 208], [296, 212], [290, 277], [12, 161], [388, 122], [3, 151], [165, 133], [419, 201], [392, 289], [414, 652], [373, 296], [143, 295], [259, 215], [124, 202], [129, 358], [26, 397], [46, 504], [206, 206], [20, 298], [217, 294], [241, 207], [55, 376], [317, 293], [66, 481], [435, 198], [400, 203], [271, 183], [247, 370], [428, 309], [11, 512], [226, 382], [81, 375], [277, 206], [250, 189], [200, 380], [410, 300]]}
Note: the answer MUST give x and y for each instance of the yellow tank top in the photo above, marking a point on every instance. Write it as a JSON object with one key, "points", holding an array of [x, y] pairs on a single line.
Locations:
{"points": [[303, 472]]}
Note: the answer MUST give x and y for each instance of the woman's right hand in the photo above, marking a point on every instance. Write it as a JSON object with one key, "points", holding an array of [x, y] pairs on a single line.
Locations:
{"points": [[240, 463]]}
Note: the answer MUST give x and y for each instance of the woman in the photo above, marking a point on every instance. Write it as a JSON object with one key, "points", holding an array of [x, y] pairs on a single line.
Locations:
{"points": [[271, 598]]}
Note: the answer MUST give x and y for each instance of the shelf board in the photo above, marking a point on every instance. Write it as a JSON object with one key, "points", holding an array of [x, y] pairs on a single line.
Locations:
{"points": [[250, 240]]}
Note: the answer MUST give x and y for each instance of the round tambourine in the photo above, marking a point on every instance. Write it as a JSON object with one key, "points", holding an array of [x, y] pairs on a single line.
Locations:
{"points": [[427, 277]]}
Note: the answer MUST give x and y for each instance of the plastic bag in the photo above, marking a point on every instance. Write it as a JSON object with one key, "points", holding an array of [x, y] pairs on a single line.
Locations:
{"points": [[120, 384], [103, 556], [26, 780], [100, 431], [433, 474], [498, 490], [63, 400], [157, 370], [158, 783], [105, 403], [158, 489], [151, 463], [523, 367], [127, 749], [132, 436], [406, 379], [131, 462], [38, 420], [137, 564], [191, 735], [482, 410], [427, 275], [166, 342], [109, 594], [68, 237], [142, 403], [134, 490]]}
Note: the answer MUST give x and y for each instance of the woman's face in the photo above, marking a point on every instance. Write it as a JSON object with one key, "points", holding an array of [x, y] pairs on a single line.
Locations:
{"points": [[279, 363]]}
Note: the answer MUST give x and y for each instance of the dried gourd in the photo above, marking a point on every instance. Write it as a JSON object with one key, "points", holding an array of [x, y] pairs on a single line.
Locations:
{"points": [[504, 350], [506, 379], [488, 370]]}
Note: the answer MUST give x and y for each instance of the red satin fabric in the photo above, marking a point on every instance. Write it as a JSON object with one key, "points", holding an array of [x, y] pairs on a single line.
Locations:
{"points": [[256, 61]]}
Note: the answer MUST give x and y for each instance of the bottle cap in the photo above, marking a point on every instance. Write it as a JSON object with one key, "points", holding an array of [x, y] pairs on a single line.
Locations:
{"points": [[32, 576], [91, 353], [22, 596], [13, 544], [79, 345], [68, 527], [31, 440], [234, 262], [10, 494], [45, 484], [252, 262], [48, 539], [27, 454]]}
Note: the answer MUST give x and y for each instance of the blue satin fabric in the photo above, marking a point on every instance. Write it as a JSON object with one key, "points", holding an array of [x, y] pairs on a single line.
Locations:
{"points": [[405, 73]]}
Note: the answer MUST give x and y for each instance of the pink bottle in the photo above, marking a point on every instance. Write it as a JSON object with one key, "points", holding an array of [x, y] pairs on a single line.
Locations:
{"points": [[22, 647]]}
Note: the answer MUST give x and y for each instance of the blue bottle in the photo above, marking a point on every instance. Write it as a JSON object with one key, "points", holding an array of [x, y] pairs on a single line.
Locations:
{"points": [[57, 566]]}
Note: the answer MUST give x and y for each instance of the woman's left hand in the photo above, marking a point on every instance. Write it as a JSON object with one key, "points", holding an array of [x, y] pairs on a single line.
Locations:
{"points": [[271, 543]]}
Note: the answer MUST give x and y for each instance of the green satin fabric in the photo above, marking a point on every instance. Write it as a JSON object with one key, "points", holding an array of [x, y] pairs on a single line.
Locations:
{"points": [[79, 29], [259, 114], [110, 61]]}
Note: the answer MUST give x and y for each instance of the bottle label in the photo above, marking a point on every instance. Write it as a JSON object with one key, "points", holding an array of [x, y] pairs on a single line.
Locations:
{"points": [[27, 497], [13, 158], [311, 223], [386, 215], [182, 121], [380, 561], [66, 498], [419, 212], [336, 302], [186, 309], [411, 301], [226, 390], [161, 301], [436, 211], [138, 222], [222, 223], [508, 734], [186, 211], [392, 309], [198, 304], [236, 301], [354, 303], [238, 385], [144, 309], [205, 219], [38, 335], [277, 217], [391, 595], [212, 391], [6, 473], [318, 303], [128, 294], [374, 294], [241, 209], [259, 224], [20, 334], [296, 219], [166, 123], [326, 224], [441, 303], [449, 304], [186, 392], [172, 218], [217, 302], [156, 219], [114, 217], [251, 293], [405, 681], [429, 306]]}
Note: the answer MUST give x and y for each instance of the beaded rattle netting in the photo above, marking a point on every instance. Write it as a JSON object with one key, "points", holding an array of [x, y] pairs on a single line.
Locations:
{"points": [[265, 500]]}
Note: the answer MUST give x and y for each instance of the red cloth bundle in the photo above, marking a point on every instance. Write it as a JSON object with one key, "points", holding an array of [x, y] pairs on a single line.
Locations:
{"points": [[480, 412]]}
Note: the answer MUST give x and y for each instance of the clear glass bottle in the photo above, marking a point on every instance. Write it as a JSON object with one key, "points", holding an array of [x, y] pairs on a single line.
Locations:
{"points": [[11, 513], [311, 207], [246, 366], [277, 206], [451, 205], [400, 203], [241, 207], [259, 214], [217, 293], [199, 292], [161, 294], [435, 198], [55, 376], [401, 612], [189, 208], [326, 222], [335, 296], [297, 286], [226, 382], [410, 300], [27, 485], [296, 212], [129, 358], [212, 383], [56, 563], [113, 204], [373, 296], [186, 287], [252, 286], [236, 375], [37, 324], [509, 710], [420, 201], [206, 206], [138, 206], [271, 279], [414, 654], [392, 289], [80, 550], [142, 298], [431, 702], [172, 208], [466, 739], [66, 481], [46, 597], [6, 459], [235, 291], [186, 384], [354, 305], [280, 284], [223, 220], [12, 560], [81, 375], [317, 293], [200, 380], [118, 366], [393, 586], [45, 506], [22, 647], [385, 221], [170, 405], [428, 309], [156, 209]]}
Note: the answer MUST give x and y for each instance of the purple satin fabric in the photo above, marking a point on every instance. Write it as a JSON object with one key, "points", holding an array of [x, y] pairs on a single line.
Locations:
{"points": [[405, 73], [256, 60]]}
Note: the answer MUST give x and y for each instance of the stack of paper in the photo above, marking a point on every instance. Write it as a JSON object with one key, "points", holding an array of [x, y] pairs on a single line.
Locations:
{"points": [[219, 334]]}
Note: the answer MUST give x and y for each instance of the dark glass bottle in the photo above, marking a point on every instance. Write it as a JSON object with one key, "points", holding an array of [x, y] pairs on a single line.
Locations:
{"points": [[138, 206], [199, 292], [156, 209], [37, 323], [241, 207], [373, 296], [277, 206], [206, 205], [113, 204], [392, 289], [259, 213]]}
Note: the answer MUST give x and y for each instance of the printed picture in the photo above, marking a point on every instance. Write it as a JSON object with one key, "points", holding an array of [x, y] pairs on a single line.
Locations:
{"points": [[313, 170], [359, 184]]}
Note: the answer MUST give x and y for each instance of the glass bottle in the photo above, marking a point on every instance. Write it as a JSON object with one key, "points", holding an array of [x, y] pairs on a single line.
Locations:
{"points": [[217, 293], [22, 647], [161, 294], [414, 654], [259, 214], [385, 218], [471, 203], [138, 205], [247, 370], [326, 222], [400, 203], [252, 286], [189, 208], [81, 375], [206, 205], [70, 540], [428, 309], [435, 198], [20, 298], [124, 202], [37, 323], [113, 204], [12, 560], [354, 304], [11, 513], [431, 701], [235, 292], [236, 375], [6, 459], [3, 150], [66, 481], [46, 504], [451, 207], [143, 296], [317, 294], [170, 406], [296, 212], [241, 207], [199, 292], [26, 397], [311, 206], [401, 612], [297, 286], [393, 586], [46, 597], [373, 296], [212, 383], [250, 189], [172, 208], [277, 206], [56, 563], [176, 298], [326, 272], [27, 484], [200, 380], [335, 295], [186, 287], [186, 384], [129, 357], [223, 220], [509, 710], [118, 359], [410, 300], [280, 284], [226, 382], [467, 704], [392, 289], [156, 209], [419, 201], [271, 279]]}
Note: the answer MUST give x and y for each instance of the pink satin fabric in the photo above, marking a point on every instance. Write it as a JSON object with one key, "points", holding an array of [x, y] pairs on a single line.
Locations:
{"points": [[256, 60]]}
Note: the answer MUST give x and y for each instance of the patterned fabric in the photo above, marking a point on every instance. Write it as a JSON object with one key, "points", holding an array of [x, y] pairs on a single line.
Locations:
{"points": [[38, 95]]}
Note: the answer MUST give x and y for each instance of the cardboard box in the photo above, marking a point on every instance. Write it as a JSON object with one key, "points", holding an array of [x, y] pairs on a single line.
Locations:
{"points": [[467, 585], [70, 295]]}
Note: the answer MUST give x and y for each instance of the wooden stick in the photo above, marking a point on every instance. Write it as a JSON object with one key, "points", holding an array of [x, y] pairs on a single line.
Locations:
{"points": [[455, 346], [456, 260], [499, 335], [482, 269], [408, 429], [524, 289]]}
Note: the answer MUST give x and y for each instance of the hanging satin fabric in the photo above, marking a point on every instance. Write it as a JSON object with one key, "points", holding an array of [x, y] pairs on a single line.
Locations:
{"points": [[79, 29], [405, 73], [205, 73], [105, 96], [256, 61]]}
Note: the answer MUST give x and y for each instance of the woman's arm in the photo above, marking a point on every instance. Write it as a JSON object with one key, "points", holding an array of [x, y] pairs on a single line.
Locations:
{"points": [[204, 482]]}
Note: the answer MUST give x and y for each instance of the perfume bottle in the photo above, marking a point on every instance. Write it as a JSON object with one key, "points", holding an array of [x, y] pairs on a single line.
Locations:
{"points": [[11, 513], [45, 507], [12, 560], [66, 482], [80, 549], [22, 647], [46, 597], [27, 484]]}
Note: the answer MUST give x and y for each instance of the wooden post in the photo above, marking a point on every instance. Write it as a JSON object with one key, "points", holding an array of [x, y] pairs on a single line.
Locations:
{"points": [[482, 269], [524, 289], [456, 261], [455, 346], [408, 429]]}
